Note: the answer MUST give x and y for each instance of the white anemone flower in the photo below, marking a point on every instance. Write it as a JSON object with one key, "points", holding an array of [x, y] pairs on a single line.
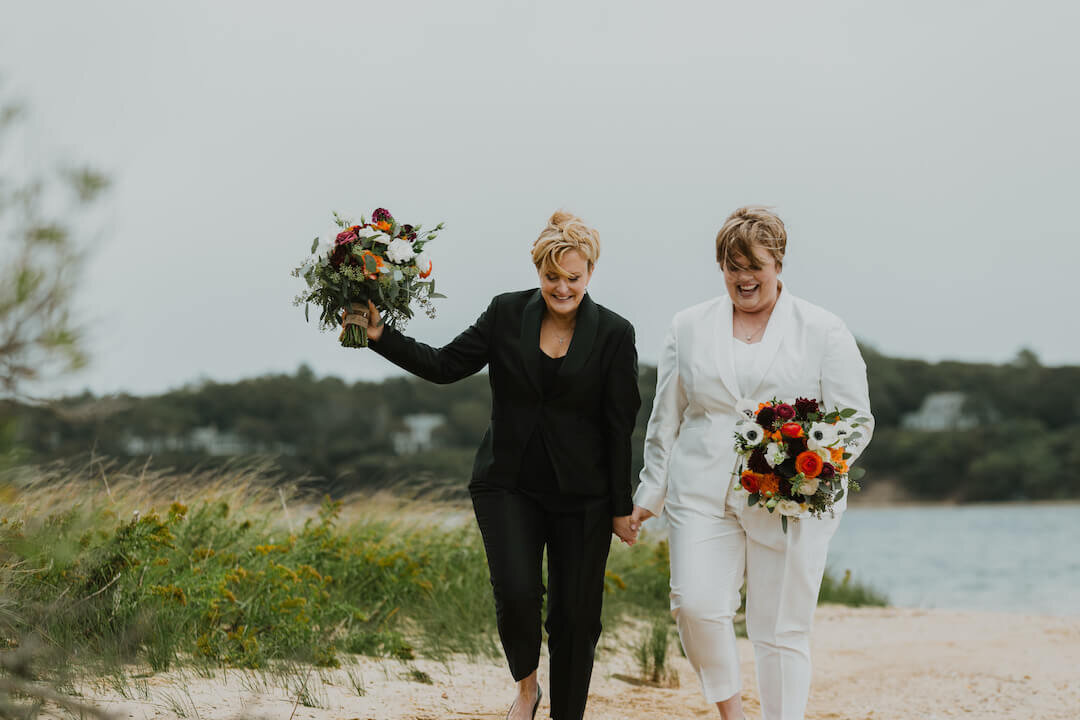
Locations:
{"points": [[821, 435], [400, 251], [843, 428], [750, 432], [746, 407]]}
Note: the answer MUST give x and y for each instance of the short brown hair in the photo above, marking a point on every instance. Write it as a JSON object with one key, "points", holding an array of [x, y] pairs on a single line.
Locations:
{"points": [[565, 232], [748, 228]]}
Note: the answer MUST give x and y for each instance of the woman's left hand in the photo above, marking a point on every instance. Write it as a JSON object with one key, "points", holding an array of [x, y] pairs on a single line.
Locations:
{"points": [[621, 526]]}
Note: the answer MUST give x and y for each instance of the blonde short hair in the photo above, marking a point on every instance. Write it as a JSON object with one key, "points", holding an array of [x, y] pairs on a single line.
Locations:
{"points": [[565, 232], [745, 230]]}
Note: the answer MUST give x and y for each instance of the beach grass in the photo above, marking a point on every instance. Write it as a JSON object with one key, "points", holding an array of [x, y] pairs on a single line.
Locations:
{"points": [[104, 567]]}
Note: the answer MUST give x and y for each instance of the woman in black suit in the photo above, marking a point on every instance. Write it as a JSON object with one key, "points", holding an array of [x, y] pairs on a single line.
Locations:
{"points": [[553, 468]]}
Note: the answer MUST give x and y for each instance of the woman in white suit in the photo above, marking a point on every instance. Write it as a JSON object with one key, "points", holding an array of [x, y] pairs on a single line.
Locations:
{"points": [[719, 358]]}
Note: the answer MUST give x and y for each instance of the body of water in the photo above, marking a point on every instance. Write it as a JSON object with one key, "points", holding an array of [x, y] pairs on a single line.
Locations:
{"points": [[1009, 558]]}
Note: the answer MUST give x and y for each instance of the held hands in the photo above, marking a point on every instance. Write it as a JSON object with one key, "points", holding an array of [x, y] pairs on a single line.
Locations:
{"points": [[622, 527], [373, 322], [639, 516]]}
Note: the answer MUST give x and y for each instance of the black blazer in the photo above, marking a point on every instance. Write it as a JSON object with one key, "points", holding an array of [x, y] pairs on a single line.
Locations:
{"points": [[587, 421]]}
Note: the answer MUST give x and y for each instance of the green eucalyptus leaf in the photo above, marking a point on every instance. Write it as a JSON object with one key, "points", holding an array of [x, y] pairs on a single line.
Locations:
{"points": [[847, 412], [314, 245]]}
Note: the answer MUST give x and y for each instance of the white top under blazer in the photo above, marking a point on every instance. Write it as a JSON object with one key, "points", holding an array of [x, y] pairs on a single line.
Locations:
{"points": [[690, 457]]}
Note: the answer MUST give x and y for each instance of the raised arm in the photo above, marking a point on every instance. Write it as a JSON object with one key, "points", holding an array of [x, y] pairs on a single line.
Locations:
{"points": [[463, 356], [843, 382], [663, 428]]}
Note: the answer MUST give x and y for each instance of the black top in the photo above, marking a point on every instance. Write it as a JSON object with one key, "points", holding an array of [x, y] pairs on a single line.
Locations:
{"points": [[586, 418], [537, 474]]}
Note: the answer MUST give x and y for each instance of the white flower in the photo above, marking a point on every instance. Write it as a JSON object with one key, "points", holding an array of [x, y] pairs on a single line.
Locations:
{"points": [[821, 435], [751, 432], [775, 454], [746, 407], [400, 251], [809, 486], [789, 508], [423, 262], [843, 428]]}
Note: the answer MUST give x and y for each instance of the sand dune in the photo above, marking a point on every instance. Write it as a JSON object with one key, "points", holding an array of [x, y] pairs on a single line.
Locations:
{"points": [[870, 664]]}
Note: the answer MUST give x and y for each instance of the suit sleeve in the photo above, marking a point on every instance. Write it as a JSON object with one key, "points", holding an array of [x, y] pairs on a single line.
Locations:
{"points": [[465, 355], [622, 402], [663, 428], [843, 382]]}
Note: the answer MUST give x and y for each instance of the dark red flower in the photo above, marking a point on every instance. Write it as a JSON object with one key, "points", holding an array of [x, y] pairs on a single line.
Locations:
{"points": [[348, 235], [766, 417], [758, 463], [796, 446], [828, 472], [785, 487], [785, 412], [342, 252], [382, 215], [408, 233], [803, 408]]}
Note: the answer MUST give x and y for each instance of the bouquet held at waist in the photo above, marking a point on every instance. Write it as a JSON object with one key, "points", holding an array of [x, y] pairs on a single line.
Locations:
{"points": [[794, 456], [380, 261]]}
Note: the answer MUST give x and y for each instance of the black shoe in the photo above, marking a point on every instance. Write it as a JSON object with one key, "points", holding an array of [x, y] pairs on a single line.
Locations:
{"points": [[539, 694]]}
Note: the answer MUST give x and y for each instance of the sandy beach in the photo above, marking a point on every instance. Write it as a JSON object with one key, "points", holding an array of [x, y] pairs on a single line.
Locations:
{"points": [[870, 664]]}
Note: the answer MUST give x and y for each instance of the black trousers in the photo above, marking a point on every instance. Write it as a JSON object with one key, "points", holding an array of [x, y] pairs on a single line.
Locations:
{"points": [[516, 527]]}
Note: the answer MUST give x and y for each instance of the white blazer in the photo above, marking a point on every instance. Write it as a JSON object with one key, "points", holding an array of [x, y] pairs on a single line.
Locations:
{"points": [[690, 441]]}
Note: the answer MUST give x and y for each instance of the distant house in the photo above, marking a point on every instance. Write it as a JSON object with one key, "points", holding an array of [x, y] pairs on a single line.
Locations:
{"points": [[206, 440], [417, 434], [940, 411]]}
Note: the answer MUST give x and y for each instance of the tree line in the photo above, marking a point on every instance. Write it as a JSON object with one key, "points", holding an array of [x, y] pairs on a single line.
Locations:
{"points": [[337, 436]]}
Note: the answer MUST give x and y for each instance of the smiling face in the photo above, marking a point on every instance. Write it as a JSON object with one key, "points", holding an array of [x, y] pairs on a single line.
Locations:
{"points": [[753, 284], [563, 293]]}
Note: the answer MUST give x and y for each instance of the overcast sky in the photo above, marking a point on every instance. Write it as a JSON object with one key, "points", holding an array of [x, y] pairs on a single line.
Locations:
{"points": [[924, 156]]}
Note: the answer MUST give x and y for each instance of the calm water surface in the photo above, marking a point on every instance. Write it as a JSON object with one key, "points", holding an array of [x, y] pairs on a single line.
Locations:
{"points": [[1008, 558]]}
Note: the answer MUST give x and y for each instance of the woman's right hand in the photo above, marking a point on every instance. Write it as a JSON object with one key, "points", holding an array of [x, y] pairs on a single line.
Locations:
{"points": [[639, 516], [374, 321]]}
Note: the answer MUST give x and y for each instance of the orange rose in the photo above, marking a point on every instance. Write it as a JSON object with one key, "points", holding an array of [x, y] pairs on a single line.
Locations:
{"points": [[750, 481], [809, 463], [792, 430]]}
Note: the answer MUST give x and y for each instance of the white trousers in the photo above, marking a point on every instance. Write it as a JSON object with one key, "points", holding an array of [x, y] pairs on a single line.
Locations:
{"points": [[711, 555]]}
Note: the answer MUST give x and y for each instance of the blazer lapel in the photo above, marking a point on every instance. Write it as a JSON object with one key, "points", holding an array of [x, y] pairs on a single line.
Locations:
{"points": [[771, 342], [581, 345], [724, 356], [529, 343]]}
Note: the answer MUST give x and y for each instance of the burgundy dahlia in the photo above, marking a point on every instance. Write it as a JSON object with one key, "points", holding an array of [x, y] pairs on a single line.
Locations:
{"points": [[785, 412], [796, 446], [758, 463], [342, 254], [766, 417], [786, 470], [828, 472], [382, 215], [803, 408]]}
